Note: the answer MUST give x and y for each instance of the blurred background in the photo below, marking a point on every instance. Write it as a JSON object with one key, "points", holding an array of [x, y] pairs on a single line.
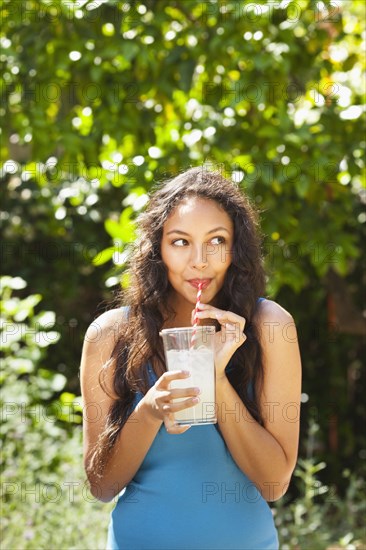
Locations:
{"points": [[102, 99]]}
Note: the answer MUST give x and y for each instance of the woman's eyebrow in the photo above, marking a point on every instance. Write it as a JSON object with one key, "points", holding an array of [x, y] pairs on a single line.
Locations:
{"points": [[180, 232]]}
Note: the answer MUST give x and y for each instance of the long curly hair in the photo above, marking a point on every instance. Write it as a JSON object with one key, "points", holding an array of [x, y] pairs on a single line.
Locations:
{"points": [[139, 342]]}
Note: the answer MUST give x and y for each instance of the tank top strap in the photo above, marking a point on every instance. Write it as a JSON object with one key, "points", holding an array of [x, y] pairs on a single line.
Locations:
{"points": [[151, 374], [125, 311]]}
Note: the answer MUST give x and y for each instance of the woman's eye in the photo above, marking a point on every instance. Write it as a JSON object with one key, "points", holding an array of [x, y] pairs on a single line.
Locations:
{"points": [[183, 242], [218, 240], [179, 242]]}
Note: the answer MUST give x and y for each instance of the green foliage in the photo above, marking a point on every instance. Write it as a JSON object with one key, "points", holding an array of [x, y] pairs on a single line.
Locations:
{"points": [[319, 518], [119, 94], [43, 482], [30, 410], [33, 420]]}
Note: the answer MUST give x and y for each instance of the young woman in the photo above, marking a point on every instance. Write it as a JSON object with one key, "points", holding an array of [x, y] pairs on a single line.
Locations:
{"points": [[199, 487]]}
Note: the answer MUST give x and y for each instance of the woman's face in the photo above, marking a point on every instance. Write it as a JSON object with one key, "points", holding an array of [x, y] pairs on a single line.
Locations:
{"points": [[197, 246]]}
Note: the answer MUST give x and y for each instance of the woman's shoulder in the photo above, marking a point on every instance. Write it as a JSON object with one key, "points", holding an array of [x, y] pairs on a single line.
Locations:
{"points": [[271, 318], [271, 308], [108, 324]]}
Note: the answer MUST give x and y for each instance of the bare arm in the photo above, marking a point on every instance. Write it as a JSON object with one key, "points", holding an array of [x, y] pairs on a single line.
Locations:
{"points": [[139, 432], [266, 454]]}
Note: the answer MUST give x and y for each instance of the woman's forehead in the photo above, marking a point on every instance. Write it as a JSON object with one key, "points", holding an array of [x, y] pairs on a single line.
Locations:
{"points": [[198, 210]]}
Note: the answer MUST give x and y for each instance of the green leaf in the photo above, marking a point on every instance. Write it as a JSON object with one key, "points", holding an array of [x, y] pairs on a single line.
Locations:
{"points": [[104, 256], [114, 229]]}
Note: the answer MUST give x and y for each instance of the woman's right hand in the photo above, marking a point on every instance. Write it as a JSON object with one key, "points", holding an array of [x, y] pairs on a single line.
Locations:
{"points": [[159, 400]]}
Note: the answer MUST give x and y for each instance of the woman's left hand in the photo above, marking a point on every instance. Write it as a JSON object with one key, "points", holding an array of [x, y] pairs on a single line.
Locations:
{"points": [[228, 339]]}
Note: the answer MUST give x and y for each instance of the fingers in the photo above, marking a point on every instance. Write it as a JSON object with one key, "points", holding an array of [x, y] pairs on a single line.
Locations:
{"points": [[167, 404], [172, 427], [166, 396], [164, 404], [214, 313], [232, 320], [231, 323], [180, 405], [168, 376], [184, 392]]}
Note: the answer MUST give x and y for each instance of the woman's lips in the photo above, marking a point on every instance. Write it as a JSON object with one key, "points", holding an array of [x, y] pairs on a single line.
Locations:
{"points": [[196, 282]]}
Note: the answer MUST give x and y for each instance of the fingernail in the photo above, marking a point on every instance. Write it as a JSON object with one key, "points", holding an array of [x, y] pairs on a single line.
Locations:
{"points": [[186, 372], [195, 400], [197, 390]]}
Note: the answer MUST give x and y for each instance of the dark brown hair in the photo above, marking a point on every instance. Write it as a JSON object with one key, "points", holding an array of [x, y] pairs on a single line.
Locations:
{"points": [[139, 342]]}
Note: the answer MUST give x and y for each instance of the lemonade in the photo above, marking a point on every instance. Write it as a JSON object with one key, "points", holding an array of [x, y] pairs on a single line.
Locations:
{"points": [[200, 363]]}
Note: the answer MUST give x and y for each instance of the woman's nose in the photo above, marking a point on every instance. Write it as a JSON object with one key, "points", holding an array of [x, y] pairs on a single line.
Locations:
{"points": [[199, 257]]}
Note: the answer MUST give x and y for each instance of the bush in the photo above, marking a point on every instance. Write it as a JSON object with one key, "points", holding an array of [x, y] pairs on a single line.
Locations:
{"points": [[319, 518], [45, 498]]}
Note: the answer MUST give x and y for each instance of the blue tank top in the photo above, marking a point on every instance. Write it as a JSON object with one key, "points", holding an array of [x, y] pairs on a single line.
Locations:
{"points": [[189, 494]]}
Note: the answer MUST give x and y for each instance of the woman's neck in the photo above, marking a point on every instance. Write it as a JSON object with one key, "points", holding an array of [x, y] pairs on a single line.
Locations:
{"points": [[182, 313]]}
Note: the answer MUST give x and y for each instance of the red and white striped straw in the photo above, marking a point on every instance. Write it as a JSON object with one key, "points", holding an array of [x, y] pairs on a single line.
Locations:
{"points": [[195, 320]]}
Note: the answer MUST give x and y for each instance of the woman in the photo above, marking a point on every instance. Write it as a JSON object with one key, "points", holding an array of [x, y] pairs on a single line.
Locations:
{"points": [[203, 486]]}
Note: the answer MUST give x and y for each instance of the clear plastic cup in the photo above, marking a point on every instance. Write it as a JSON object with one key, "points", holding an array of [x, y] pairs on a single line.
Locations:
{"points": [[192, 349]]}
